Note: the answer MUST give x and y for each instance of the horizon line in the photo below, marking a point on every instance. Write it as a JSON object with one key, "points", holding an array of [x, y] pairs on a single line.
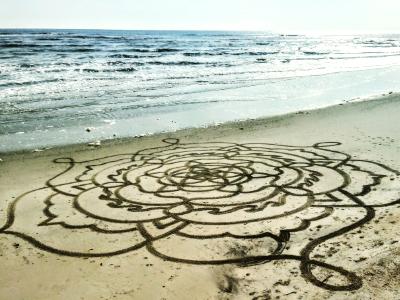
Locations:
{"points": [[284, 32]]}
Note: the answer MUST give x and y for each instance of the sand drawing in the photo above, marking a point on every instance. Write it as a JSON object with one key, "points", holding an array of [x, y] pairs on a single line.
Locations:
{"points": [[193, 203]]}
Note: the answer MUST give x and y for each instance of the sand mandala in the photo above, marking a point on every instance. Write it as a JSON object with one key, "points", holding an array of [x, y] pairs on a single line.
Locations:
{"points": [[209, 203]]}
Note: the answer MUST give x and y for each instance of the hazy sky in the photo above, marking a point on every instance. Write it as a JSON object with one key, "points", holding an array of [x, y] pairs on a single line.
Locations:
{"points": [[330, 16]]}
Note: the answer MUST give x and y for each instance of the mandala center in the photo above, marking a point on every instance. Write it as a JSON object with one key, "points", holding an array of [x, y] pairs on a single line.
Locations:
{"points": [[215, 175]]}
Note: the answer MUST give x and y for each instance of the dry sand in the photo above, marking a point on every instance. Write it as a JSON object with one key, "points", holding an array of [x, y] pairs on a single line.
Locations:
{"points": [[302, 206]]}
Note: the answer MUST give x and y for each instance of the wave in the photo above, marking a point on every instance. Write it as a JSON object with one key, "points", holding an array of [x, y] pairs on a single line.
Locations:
{"points": [[67, 64], [162, 50], [28, 66], [140, 50], [376, 44], [33, 82], [123, 56], [122, 70], [173, 63], [121, 63], [125, 70], [74, 36], [22, 32], [116, 63], [88, 70], [148, 50], [48, 39], [7, 33], [106, 37], [38, 48], [201, 53], [91, 70], [193, 54], [221, 53], [79, 50], [187, 63], [94, 36], [262, 53], [18, 45], [315, 53]]}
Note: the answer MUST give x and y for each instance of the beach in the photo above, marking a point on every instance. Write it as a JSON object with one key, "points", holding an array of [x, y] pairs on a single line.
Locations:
{"points": [[297, 206]]}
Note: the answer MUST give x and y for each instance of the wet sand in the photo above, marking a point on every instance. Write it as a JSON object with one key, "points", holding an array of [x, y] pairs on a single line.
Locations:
{"points": [[301, 206]]}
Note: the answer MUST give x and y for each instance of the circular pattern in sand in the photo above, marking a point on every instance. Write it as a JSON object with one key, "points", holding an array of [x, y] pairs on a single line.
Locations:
{"points": [[209, 203]]}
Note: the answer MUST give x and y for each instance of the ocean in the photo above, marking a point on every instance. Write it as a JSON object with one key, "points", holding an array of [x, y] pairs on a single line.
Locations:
{"points": [[62, 87]]}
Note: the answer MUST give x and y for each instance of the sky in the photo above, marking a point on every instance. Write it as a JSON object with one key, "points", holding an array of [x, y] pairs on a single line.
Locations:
{"points": [[291, 16]]}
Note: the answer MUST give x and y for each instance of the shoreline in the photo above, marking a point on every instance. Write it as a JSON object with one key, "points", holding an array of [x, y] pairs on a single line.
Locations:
{"points": [[232, 125], [201, 109]]}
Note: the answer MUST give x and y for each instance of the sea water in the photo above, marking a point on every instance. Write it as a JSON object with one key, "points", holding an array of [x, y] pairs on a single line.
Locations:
{"points": [[71, 86]]}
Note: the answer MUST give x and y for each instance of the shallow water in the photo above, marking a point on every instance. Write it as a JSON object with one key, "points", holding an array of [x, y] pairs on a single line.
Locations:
{"points": [[56, 83]]}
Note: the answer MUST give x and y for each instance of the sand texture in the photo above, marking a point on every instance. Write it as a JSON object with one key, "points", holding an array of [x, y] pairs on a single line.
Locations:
{"points": [[301, 206]]}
